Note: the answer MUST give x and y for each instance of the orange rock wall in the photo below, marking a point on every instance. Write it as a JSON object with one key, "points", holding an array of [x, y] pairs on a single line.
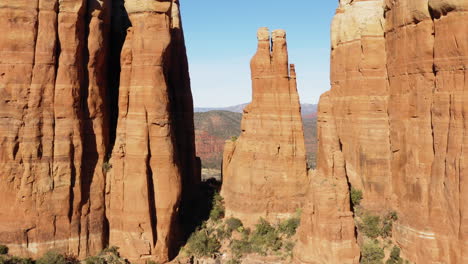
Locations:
{"points": [[55, 133], [398, 76]]}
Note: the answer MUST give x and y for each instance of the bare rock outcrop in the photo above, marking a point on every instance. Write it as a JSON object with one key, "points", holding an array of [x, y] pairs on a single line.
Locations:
{"points": [[153, 157], [397, 101], [327, 232], [265, 170], [53, 129]]}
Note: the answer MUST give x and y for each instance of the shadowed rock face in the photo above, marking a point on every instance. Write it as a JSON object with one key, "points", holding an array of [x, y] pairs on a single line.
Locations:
{"points": [[55, 86], [397, 105], [264, 171], [154, 147]]}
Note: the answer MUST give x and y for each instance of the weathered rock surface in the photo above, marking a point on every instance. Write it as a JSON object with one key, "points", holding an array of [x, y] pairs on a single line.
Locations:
{"points": [[265, 171], [154, 153], [55, 134], [397, 101], [327, 232], [53, 128]]}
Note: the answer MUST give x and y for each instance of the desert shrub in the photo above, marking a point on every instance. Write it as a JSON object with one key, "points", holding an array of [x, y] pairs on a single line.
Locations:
{"points": [[240, 247], [53, 257], [265, 237], [109, 255], [106, 166], [217, 210], [372, 253], [234, 139], [233, 224], [395, 256], [3, 250], [388, 224], [289, 226], [370, 226], [203, 243], [356, 196], [15, 260]]}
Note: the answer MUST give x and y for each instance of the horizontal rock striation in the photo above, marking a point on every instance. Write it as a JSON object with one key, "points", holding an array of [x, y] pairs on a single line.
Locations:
{"points": [[397, 102], [265, 170]]}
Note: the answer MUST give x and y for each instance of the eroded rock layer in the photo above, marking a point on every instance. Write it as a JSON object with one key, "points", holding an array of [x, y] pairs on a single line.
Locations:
{"points": [[399, 74], [154, 153], [55, 82], [265, 170], [53, 130]]}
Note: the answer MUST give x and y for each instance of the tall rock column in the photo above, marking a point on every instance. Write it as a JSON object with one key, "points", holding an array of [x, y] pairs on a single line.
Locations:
{"points": [[265, 170], [327, 231], [53, 128], [154, 155]]}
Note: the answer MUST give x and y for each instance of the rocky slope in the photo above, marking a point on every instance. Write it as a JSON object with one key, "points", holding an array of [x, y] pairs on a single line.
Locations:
{"points": [[57, 127], [264, 171], [396, 107]]}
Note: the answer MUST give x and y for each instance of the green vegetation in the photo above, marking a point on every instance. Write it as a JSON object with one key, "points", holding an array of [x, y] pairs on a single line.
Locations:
{"points": [[53, 257], [370, 226], [106, 166], [395, 256], [3, 250], [234, 139], [289, 226], [107, 256], [217, 211], [356, 196], [373, 227], [372, 253], [203, 243], [233, 224], [15, 260]]}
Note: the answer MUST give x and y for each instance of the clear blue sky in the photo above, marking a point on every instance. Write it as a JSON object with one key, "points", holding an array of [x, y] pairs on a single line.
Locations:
{"points": [[221, 39]]}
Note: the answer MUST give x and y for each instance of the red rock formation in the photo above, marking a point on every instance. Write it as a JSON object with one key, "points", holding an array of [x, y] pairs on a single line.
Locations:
{"points": [[154, 155], [265, 174], [327, 232], [398, 80], [53, 130]]}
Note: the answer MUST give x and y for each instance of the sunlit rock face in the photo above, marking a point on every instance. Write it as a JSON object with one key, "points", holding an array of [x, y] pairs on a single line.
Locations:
{"points": [[265, 170], [398, 74], [53, 129], [58, 188]]}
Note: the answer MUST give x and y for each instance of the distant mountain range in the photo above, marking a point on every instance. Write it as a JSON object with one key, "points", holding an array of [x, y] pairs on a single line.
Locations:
{"points": [[214, 127], [307, 109]]}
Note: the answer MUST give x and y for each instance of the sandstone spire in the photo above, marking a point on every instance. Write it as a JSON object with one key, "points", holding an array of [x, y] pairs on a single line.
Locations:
{"points": [[265, 171], [154, 151]]}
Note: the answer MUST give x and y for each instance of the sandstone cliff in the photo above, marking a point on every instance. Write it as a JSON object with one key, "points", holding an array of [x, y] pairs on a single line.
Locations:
{"points": [[265, 170], [54, 126], [398, 76], [56, 129]]}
